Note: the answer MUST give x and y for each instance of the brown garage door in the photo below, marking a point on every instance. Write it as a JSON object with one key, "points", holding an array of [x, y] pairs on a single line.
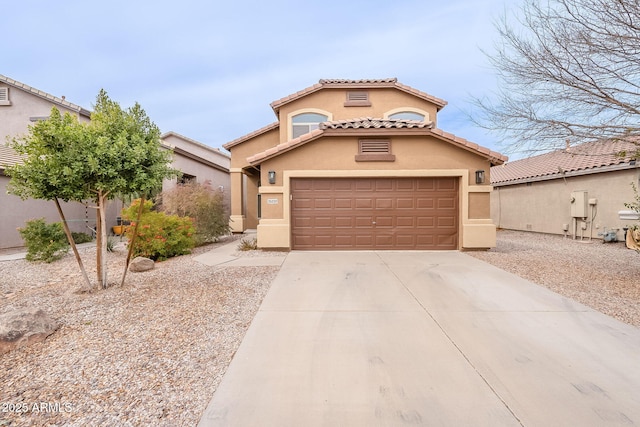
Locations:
{"points": [[374, 213]]}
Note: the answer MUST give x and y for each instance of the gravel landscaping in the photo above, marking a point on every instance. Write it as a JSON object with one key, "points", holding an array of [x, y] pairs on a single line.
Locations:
{"points": [[603, 276], [153, 351]]}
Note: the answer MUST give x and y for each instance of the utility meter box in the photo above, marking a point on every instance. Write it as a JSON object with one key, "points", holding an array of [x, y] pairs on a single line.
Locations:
{"points": [[579, 204]]}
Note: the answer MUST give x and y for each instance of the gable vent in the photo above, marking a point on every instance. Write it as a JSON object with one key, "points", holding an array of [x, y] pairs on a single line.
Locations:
{"points": [[4, 96], [357, 98], [374, 146]]}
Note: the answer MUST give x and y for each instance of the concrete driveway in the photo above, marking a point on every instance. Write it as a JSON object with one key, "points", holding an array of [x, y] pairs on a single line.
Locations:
{"points": [[425, 338]]}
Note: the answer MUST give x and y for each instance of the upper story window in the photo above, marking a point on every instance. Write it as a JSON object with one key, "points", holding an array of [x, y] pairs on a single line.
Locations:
{"points": [[306, 122], [407, 115], [4, 96]]}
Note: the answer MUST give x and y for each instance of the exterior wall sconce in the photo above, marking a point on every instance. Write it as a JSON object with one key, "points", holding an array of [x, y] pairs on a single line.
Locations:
{"points": [[479, 177], [272, 177]]}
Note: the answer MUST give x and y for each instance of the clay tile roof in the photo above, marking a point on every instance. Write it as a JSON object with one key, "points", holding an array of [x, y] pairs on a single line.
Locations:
{"points": [[363, 83], [371, 123], [590, 157], [368, 122], [253, 134], [493, 156], [41, 94], [285, 146]]}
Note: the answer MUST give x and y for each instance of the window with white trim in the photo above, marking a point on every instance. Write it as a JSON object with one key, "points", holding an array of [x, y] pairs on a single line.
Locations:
{"points": [[407, 115], [4, 96], [305, 123]]}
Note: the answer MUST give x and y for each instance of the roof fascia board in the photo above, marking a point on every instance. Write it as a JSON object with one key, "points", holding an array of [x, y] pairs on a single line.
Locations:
{"points": [[261, 131], [581, 172], [187, 154], [46, 96]]}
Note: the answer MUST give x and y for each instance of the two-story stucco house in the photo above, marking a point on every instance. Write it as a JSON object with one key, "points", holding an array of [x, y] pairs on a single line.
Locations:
{"points": [[22, 105], [361, 164]]}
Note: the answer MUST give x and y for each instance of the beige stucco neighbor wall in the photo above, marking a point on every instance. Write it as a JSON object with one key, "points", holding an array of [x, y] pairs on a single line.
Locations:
{"points": [[82, 218], [545, 206], [415, 157], [16, 118]]}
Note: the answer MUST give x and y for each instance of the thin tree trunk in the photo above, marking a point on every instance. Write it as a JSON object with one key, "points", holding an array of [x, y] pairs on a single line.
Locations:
{"points": [[67, 231], [101, 240], [99, 254], [133, 239]]}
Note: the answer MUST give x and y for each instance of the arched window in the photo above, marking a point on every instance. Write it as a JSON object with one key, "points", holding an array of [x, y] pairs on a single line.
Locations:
{"points": [[407, 115], [306, 122]]}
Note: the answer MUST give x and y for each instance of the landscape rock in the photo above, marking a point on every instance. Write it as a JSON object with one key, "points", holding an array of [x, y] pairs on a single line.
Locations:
{"points": [[139, 264], [23, 327]]}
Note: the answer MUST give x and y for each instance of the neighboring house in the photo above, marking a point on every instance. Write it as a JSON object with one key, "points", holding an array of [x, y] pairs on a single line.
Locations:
{"points": [[199, 163], [361, 164], [578, 191], [22, 105]]}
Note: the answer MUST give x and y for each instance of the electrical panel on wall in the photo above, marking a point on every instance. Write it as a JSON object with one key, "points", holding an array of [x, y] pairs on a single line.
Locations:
{"points": [[579, 201]]}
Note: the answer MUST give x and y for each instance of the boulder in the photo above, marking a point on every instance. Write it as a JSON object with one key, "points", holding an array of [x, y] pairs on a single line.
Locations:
{"points": [[23, 327], [139, 264]]}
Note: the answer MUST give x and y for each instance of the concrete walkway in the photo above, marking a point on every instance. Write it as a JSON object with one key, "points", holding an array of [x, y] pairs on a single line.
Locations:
{"points": [[425, 338]]}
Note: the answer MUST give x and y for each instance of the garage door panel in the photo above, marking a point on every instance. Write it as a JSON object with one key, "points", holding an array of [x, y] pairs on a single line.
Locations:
{"points": [[405, 203], [322, 204], [386, 203], [302, 203], [364, 222], [405, 222], [384, 221], [364, 204], [344, 222], [409, 213], [341, 203], [446, 203], [425, 203], [364, 185]]}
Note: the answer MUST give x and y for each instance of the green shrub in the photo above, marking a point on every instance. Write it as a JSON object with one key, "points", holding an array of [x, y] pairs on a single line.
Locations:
{"points": [[79, 238], [45, 242], [203, 204], [160, 236]]}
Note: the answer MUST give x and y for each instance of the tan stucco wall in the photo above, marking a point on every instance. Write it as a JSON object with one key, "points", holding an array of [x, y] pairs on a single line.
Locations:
{"points": [[332, 101], [545, 206], [416, 156]]}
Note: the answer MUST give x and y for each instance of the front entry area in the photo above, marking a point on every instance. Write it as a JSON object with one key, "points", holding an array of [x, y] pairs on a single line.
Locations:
{"points": [[375, 213]]}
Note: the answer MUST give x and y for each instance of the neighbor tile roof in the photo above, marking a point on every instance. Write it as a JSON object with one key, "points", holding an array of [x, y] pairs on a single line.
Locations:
{"points": [[592, 157], [60, 101], [357, 84], [373, 123]]}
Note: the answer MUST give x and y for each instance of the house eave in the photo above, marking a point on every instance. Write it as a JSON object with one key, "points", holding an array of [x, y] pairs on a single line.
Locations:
{"points": [[568, 174]]}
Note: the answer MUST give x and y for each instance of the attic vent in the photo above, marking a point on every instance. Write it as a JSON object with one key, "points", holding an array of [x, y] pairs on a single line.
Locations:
{"points": [[374, 150], [4, 96], [368, 146], [357, 98]]}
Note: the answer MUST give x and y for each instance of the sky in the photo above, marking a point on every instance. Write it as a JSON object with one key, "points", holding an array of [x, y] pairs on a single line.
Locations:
{"points": [[208, 70]]}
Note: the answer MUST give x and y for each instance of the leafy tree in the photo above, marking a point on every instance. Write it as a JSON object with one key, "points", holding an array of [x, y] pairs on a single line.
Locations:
{"points": [[201, 203], [568, 70], [117, 153]]}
